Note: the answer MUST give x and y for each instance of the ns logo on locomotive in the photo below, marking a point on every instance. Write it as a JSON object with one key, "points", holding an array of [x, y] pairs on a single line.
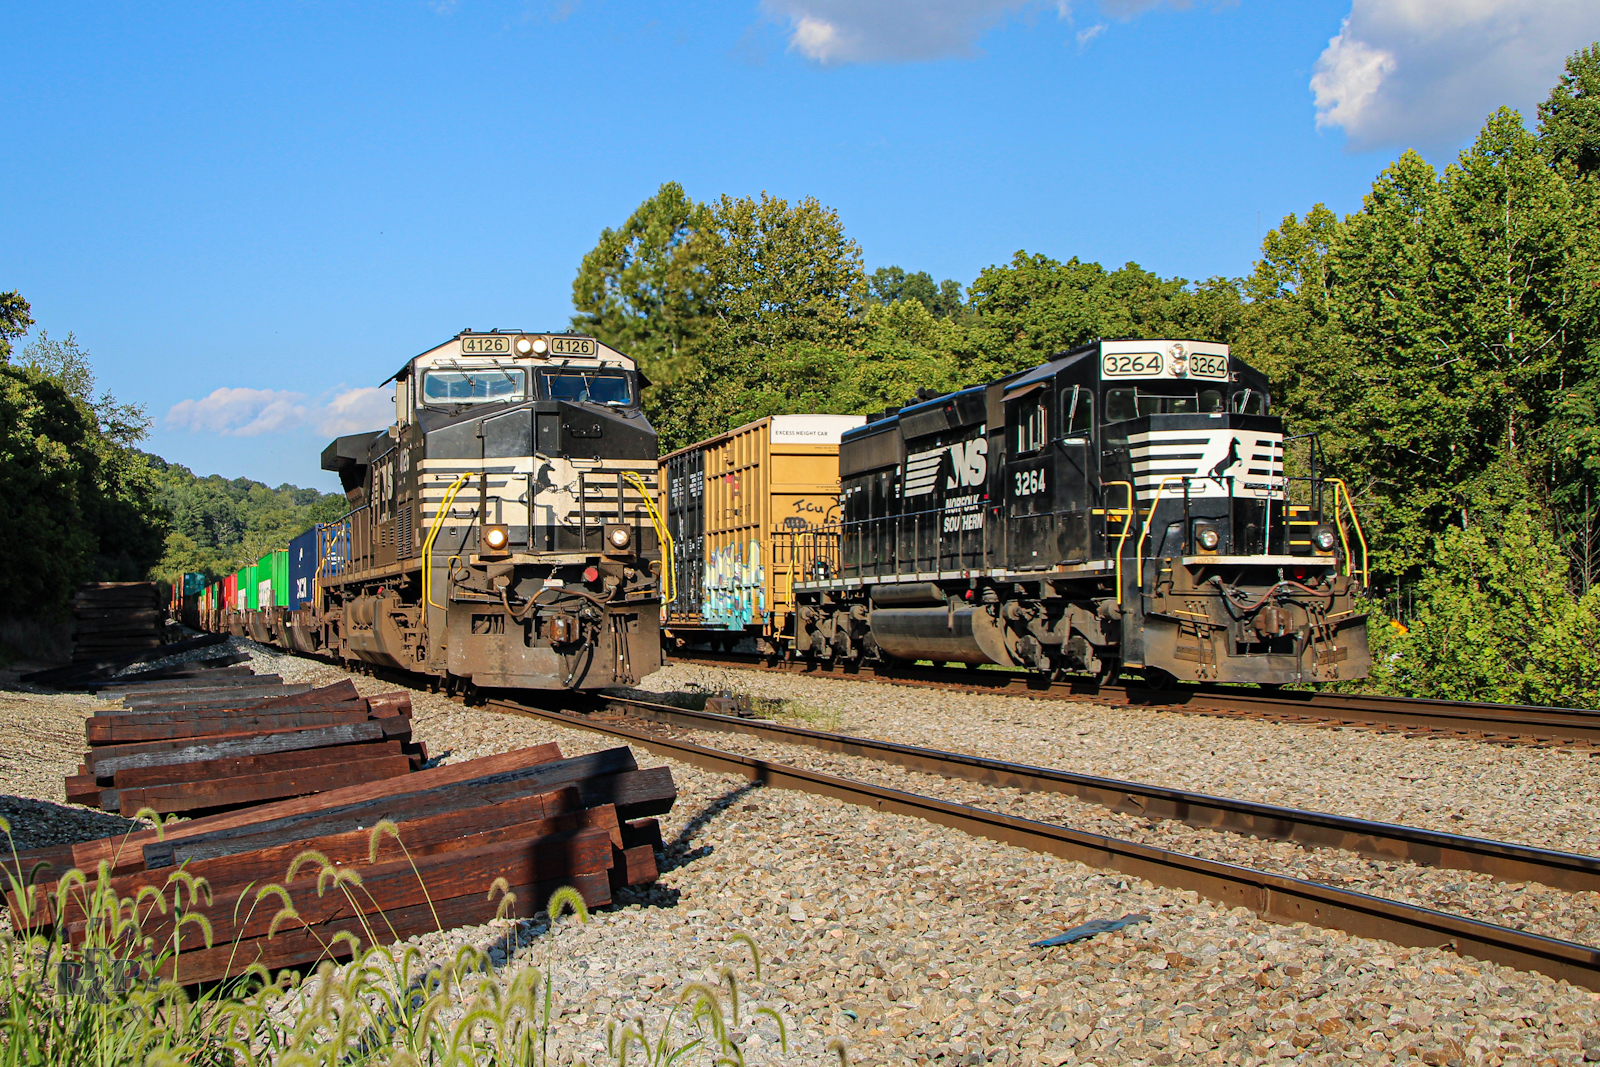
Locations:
{"points": [[502, 531], [1125, 505]]}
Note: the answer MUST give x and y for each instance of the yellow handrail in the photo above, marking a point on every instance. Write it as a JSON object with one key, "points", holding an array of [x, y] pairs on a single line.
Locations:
{"points": [[1355, 520], [1144, 531], [433, 532], [669, 553], [1127, 524]]}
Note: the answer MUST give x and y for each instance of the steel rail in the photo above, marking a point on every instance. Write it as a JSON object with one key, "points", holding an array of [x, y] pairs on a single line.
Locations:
{"points": [[1378, 840], [1270, 896], [1549, 725]]}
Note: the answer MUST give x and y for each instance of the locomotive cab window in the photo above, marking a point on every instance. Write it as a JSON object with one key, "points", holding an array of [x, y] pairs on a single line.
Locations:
{"points": [[1250, 402], [1032, 427], [1124, 404], [475, 385], [586, 386]]}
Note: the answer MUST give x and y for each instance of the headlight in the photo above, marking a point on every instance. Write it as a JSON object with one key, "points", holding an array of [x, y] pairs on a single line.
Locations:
{"points": [[620, 536], [495, 538], [1208, 537], [1324, 539]]}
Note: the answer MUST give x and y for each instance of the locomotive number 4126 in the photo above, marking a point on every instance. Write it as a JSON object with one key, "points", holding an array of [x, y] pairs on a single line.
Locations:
{"points": [[1029, 482]]}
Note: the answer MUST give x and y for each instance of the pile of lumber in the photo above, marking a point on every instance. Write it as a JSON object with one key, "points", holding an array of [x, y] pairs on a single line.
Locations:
{"points": [[529, 817], [207, 745], [102, 673], [111, 619]]}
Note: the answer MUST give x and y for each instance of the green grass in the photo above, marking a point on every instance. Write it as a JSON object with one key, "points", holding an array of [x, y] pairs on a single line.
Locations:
{"points": [[389, 1005]]}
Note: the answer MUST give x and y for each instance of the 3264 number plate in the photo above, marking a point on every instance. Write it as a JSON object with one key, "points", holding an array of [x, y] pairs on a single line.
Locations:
{"points": [[1132, 365]]}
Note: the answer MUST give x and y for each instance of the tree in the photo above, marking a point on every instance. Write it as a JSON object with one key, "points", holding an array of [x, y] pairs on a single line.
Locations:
{"points": [[643, 288], [1496, 622], [14, 321], [780, 279], [1569, 119], [890, 285]]}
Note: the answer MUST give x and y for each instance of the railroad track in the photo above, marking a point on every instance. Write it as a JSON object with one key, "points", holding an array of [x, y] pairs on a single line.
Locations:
{"points": [[1507, 724], [1276, 897]]}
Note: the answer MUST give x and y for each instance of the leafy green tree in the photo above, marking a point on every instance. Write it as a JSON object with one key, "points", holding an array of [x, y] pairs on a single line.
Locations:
{"points": [[890, 285], [1569, 119], [1496, 622], [643, 288], [781, 278], [14, 321], [1035, 307]]}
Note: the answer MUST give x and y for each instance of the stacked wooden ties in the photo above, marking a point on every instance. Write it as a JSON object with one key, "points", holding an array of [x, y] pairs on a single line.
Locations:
{"points": [[111, 619], [528, 820], [183, 746]]}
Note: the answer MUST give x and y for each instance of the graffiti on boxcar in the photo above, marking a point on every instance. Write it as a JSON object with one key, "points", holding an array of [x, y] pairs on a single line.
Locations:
{"points": [[734, 579]]}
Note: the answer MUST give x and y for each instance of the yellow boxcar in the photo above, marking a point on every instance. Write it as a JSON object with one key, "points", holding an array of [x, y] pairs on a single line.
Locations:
{"points": [[733, 504]]}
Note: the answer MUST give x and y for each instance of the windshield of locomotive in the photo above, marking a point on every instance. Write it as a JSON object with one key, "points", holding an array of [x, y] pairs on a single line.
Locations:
{"points": [[586, 386], [474, 385]]}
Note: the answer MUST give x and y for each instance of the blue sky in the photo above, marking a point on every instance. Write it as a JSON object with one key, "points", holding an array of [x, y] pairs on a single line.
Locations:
{"points": [[251, 214]]}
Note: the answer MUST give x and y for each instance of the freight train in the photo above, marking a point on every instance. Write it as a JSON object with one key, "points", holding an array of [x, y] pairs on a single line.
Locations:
{"points": [[502, 531], [1128, 504]]}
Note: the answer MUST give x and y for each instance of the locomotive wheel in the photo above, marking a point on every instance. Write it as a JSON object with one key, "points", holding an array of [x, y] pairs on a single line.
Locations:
{"points": [[1159, 680]]}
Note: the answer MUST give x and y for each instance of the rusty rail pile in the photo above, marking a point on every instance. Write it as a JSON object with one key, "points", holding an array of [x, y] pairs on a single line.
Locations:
{"points": [[209, 745], [529, 820]]}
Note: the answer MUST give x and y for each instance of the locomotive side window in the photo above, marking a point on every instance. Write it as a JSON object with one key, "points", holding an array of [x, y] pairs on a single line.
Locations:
{"points": [[586, 387], [1211, 401], [1077, 412], [1250, 402], [479, 385], [1121, 405], [1033, 429]]}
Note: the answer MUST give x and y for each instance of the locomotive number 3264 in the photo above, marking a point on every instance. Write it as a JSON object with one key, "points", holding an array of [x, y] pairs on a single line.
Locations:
{"points": [[1029, 482]]}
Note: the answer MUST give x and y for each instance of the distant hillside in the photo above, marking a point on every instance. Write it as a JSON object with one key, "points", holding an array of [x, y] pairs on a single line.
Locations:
{"points": [[217, 525]]}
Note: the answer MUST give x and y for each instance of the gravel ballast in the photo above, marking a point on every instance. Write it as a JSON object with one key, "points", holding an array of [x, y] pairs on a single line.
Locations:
{"points": [[911, 941]]}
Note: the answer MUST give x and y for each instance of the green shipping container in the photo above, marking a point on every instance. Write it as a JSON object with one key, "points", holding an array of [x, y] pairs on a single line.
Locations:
{"points": [[252, 589], [277, 565], [239, 586]]}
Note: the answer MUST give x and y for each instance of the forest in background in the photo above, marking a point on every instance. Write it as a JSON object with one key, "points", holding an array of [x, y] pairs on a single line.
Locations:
{"points": [[1443, 341]]}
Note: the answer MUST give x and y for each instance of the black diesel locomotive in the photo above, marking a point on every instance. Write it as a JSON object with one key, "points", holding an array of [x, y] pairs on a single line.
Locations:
{"points": [[1124, 505], [502, 530]]}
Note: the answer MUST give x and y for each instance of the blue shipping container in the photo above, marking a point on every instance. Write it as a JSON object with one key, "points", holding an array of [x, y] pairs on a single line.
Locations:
{"points": [[302, 569]]}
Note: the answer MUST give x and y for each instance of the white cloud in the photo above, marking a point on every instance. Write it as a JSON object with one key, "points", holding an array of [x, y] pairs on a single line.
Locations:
{"points": [[356, 410], [241, 412], [1085, 36], [864, 31], [870, 31], [1427, 72]]}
